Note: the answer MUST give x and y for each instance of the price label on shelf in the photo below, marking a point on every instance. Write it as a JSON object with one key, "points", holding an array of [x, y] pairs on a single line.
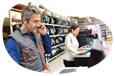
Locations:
{"points": [[106, 51]]}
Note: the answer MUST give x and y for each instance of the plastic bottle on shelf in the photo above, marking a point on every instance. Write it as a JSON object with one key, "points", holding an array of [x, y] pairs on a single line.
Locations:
{"points": [[109, 38], [109, 30], [90, 43], [101, 27]]}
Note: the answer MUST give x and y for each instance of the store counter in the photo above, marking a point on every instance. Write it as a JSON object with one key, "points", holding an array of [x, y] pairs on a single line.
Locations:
{"points": [[82, 60]]}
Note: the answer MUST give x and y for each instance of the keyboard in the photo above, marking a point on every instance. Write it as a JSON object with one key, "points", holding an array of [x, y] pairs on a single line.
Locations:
{"points": [[67, 71], [86, 51]]}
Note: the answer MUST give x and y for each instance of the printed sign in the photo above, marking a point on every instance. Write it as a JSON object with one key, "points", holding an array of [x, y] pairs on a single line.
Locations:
{"points": [[106, 51]]}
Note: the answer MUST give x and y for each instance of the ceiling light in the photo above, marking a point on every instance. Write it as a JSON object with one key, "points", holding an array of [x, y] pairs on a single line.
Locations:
{"points": [[82, 16]]}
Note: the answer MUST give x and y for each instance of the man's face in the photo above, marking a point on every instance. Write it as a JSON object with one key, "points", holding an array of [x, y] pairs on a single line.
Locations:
{"points": [[33, 23]]}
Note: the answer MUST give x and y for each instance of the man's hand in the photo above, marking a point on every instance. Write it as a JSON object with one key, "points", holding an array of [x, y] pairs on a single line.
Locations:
{"points": [[46, 71], [42, 29]]}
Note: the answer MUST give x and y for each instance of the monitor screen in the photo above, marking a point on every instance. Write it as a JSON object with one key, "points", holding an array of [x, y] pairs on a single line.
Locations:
{"points": [[97, 53]]}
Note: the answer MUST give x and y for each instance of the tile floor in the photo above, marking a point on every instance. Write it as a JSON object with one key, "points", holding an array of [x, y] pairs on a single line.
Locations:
{"points": [[57, 62]]}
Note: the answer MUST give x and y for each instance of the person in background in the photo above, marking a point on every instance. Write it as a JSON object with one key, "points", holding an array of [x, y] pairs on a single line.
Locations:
{"points": [[25, 46], [71, 46]]}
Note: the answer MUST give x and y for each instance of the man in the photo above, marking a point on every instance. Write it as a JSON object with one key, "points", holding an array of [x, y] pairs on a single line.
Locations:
{"points": [[25, 46]]}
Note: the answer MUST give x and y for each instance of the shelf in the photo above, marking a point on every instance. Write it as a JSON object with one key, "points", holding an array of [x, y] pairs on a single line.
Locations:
{"points": [[58, 45], [55, 25], [56, 56], [16, 20], [103, 34], [19, 20], [16, 7], [57, 35], [4, 15], [105, 31]]}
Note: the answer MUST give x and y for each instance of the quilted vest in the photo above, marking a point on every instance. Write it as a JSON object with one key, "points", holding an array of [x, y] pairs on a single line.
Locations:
{"points": [[31, 56]]}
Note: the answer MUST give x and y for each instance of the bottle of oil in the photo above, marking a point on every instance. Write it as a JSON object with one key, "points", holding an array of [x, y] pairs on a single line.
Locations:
{"points": [[109, 38]]}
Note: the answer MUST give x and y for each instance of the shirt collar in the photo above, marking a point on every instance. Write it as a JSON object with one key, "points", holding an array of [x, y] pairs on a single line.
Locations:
{"points": [[18, 26], [73, 35]]}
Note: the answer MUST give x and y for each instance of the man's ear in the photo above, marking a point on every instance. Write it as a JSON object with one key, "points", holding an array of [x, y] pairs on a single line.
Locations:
{"points": [[24, 20]]}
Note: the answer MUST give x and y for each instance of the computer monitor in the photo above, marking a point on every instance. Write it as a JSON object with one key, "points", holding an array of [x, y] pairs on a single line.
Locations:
{"points": [[97, 53]]}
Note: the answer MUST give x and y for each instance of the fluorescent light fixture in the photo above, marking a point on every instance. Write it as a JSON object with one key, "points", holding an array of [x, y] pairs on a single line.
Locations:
{"points": [[82, 16], [87, 17]]}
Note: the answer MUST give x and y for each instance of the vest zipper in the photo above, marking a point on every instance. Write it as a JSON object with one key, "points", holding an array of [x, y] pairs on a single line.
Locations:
{"points": [[38, 51]]}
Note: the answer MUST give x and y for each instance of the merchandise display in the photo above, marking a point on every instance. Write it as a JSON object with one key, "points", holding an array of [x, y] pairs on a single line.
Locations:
{"points": [[52, 30], [55, 31], [106, 32], [59, 40], [103, 33], [57, 48], [58, 30], [53, 41], [56, 25], [55, 52], [65, 30], [42, 18], [47, 30], [57, 21]]}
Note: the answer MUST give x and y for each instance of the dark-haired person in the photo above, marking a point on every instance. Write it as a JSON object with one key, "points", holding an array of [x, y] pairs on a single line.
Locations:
{"points": [[25, 46], [71, 46]]}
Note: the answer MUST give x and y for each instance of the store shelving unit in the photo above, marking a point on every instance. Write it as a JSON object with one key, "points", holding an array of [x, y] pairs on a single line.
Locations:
{"points": [[56, 56], [55, 25], [58, 45], [54, 36], [58, 35], [105, 32], [9, 17]]}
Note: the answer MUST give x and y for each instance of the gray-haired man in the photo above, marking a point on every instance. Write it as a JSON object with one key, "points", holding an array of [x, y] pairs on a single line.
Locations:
{"points": [[25, 46]]}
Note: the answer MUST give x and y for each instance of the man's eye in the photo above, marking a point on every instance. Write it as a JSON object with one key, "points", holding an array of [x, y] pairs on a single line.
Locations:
{"points": [[35, 21]]}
